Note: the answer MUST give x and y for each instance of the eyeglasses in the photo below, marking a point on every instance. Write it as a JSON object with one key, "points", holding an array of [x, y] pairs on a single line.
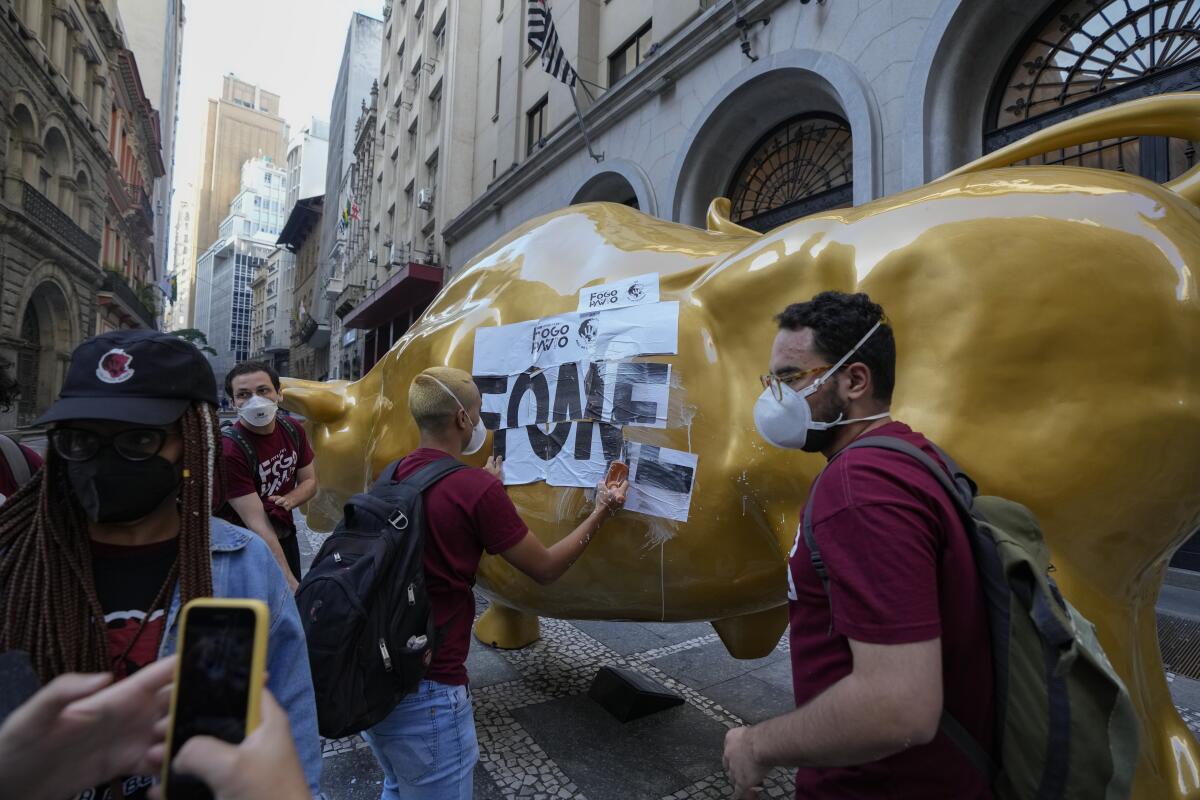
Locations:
{"points": [[133, 444], [775, 382]]}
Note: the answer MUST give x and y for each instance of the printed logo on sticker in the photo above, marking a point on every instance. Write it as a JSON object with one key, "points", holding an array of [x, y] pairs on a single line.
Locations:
{"points": [[636, 291], [115, 366], [587, 332]]}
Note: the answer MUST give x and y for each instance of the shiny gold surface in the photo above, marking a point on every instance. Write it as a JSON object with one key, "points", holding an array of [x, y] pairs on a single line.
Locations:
{"points": [[1046, 321]]}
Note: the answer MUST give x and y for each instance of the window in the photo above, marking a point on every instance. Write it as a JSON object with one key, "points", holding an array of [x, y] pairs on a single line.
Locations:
{"points": [[803, 165], [439, 32], [629, 55], [500, 12], [271, 288], [270, 313], [496, 108], [1089, 54], [431, 170], [267, 179], [535, 125]]}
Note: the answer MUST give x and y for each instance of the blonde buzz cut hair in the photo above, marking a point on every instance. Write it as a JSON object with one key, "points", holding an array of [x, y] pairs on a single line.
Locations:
{"points": [[432, 408]]}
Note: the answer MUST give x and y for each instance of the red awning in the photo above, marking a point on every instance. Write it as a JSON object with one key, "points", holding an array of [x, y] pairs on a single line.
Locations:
{"points": [[411, 284]]}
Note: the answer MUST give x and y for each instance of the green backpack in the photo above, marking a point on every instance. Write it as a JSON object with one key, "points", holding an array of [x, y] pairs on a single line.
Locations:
{"points": [[1064, 723]]}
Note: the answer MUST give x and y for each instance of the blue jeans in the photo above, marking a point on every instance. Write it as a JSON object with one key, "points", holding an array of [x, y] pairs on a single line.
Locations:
{"points": [[427, 746]]}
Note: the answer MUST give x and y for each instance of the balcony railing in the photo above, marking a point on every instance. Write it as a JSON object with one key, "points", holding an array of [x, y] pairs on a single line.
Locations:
{"points": [[114, 283], [41, 210]]}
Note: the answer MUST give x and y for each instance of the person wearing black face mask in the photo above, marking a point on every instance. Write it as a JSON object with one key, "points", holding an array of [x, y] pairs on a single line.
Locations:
{"points": [[99, 552]]}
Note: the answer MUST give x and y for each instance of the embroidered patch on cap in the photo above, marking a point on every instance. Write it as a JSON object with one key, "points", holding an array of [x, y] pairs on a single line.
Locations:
{"points": [[114, 366]]}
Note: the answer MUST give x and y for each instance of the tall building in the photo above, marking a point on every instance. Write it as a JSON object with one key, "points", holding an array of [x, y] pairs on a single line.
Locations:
{"points": [[274, 309], [302, 237], [226, 269], [243, 123], [419, 176], [130, 295], [358, 70], [70, 104], [155, 32], [183, 258]]}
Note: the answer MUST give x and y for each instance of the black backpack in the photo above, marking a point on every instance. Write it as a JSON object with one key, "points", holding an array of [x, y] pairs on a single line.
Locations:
{"points": [[364, 605]]}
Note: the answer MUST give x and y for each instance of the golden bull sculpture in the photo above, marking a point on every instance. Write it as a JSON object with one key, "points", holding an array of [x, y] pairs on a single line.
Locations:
{"points": [[1046, 321]]}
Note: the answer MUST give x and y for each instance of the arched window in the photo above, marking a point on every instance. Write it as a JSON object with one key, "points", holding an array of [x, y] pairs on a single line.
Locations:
{"points": [[803, 165], [1089, 54]]}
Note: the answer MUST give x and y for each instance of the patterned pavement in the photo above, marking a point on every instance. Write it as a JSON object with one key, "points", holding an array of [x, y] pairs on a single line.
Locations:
{"points": [[541, 737]]}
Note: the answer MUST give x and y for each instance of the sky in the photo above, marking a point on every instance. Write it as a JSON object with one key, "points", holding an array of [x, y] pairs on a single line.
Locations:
{"points": [[289, 47]]}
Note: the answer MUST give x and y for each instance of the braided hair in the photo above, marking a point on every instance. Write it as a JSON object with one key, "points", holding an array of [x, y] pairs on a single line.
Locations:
{"points": [[48, 602]]}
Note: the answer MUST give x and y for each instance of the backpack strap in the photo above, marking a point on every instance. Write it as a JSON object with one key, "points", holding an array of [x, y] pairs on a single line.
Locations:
{"points": [[237, 437], [289, 429], [962, 491], [18, 465], [423, 478]]}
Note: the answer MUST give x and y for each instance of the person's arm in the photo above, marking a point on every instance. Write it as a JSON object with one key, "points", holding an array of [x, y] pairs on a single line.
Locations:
{"points": [[250, 508], [306, 489], [890, 702], [81, 730], [547, 564]]}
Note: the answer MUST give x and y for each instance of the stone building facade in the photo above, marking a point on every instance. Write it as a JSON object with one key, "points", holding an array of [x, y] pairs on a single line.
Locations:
{"points": [[66, 79], [796, 107]]}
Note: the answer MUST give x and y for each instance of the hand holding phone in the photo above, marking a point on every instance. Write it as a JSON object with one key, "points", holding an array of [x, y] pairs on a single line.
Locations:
{"points": [[264, 765], [218, 681]]}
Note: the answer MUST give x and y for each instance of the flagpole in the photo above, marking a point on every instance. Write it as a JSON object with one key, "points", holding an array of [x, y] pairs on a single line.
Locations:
{"points": [[587, 139]]}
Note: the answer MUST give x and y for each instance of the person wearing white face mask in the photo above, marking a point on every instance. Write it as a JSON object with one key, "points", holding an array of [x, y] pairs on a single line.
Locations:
{"points": [[888, 621], [427, 746], [269, 466]]}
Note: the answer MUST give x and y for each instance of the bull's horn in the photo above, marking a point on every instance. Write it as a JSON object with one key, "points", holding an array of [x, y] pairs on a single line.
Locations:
{"points": [[320, 402], [1175, 115], [719, 222]]}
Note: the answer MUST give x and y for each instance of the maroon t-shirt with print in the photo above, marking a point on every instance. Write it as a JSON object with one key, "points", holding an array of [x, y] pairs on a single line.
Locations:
{"points": [[900, 571], [466, 512], [278, 461]]}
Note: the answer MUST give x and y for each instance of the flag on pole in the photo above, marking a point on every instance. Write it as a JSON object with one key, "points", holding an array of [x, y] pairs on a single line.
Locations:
{"points": [[543, 38]]}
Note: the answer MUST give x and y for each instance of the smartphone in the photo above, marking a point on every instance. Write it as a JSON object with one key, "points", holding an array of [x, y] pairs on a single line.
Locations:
{"points": [[617, 472], [218, 681]]}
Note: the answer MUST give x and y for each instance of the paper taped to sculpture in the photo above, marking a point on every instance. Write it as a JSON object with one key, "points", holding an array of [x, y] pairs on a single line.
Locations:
{"points": [[619, 392], [621, 333], [660, 481], [559, 392], [635, 291]]}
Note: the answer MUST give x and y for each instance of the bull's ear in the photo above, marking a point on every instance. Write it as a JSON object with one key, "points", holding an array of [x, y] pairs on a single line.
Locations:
{"points": [[719, 222], [317, 401]]}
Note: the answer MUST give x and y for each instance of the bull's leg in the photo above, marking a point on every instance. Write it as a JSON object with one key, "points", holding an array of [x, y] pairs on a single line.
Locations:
{"points": [[1170, 756], [506, 628], [753, 635]]}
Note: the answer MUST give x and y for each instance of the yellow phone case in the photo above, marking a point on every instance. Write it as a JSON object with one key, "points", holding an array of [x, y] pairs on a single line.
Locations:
{"points": [[258, 663]]}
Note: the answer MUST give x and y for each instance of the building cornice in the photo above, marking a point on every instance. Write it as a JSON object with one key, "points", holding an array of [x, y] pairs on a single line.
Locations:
{"points": [[693, 43]]}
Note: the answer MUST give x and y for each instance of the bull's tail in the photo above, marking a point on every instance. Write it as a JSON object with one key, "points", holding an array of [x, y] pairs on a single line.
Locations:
{"points": [[720, 222], [1175, 115]]}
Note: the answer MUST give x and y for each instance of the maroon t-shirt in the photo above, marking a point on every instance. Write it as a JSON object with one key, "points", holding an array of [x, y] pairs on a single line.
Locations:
{"points": [[900, 571], [8, 484], [278, 461], [466, 512]]}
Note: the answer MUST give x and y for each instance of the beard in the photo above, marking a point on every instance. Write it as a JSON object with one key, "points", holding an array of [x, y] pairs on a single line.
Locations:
{"points": [[826, 409]]}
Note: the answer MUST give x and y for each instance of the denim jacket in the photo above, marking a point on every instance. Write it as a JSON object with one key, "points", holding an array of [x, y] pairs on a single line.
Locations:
{"points": [[242, 566]]}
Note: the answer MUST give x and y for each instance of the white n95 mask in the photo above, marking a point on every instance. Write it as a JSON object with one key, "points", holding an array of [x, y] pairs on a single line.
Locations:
{"points": [[258, 411], [479, 434]]}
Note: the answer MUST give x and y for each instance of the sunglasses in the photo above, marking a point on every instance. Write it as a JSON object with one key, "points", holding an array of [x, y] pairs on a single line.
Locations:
{"points": [[132, 444]]}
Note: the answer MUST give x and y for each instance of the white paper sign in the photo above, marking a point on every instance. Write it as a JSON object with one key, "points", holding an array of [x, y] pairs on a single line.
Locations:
{"points": [[569, 454], [635, 291], [651, 329], [619, 392], [660, 481]]}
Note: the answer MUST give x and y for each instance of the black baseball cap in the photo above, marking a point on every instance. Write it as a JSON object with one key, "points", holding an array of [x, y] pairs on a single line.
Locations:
{"points": [[133, 376]]}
